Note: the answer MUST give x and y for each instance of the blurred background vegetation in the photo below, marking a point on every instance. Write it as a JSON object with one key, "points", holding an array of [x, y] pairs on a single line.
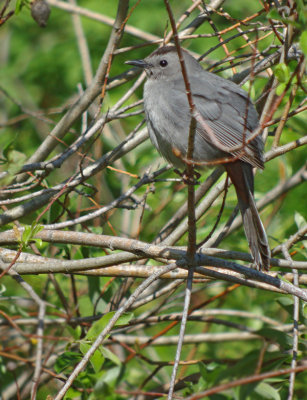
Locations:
{"points": [[41, 76]]}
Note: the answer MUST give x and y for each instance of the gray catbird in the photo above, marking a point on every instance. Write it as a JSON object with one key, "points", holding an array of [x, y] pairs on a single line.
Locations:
{"points": [[228, 114]]}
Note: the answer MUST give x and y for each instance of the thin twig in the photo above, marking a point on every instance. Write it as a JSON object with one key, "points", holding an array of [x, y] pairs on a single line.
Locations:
{"points": [[101, 337]]}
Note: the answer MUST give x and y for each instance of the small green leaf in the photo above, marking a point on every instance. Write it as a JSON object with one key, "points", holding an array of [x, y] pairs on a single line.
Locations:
{"points": [[67, 360], [275, 335], [282, 72], [285, 301], [302, 12], [109, 355], [20, 4], [96, 360], [72, 394], [7, 148], [303, 42], [15, 160], [202, 370], [2, 289], [287, 304], [124, 319], [75, 332], [274, 14], [107, 381], [204, 374], [39, 243], [215, 373], [266, 391], [300, 222], [36, 228], [98, 326], [280, 88], [29, 233]]}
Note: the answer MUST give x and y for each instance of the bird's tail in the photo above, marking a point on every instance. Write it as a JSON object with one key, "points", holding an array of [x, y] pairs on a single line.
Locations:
{"points": [[241, 175]]}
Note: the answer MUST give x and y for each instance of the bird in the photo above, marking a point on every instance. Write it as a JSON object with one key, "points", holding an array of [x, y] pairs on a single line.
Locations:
{"points": [[227, 120]]}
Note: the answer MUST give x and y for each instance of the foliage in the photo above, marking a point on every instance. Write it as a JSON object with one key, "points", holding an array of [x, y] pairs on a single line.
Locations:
{"points": [[81, 224]]}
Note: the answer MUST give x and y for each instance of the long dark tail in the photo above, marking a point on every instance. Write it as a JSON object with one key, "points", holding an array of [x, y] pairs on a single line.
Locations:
{"points": [[241, 175]]}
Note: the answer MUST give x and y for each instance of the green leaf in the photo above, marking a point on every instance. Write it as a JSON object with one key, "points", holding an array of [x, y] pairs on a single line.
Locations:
{"points": [[287, 304], [94, 288], [7, 148], [124, 319], [274, 14], [98, 326], [67, 361], [96, 360], [266, 391], [274, 335], [202, 370], [75, 332], [285, 301], [282, 72], [20, 4], [280, 88], [18, 7], [29, 233], [204, 373], [109, 355], [300, 222], [215, 373], [302, 12], [2, 289], [16, 160], [246, 391], [303, 42], [107, 381], [72, 394]]}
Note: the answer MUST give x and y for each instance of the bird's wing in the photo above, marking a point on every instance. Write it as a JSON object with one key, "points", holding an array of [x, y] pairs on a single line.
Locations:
{"points": [[230, 115]]}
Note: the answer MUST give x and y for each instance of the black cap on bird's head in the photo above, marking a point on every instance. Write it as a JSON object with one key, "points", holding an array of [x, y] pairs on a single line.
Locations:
{"points": [[159, 52], [164, 63]]}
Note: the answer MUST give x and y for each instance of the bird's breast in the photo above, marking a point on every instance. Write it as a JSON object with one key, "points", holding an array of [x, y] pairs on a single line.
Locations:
{"points": [[168, 120]]}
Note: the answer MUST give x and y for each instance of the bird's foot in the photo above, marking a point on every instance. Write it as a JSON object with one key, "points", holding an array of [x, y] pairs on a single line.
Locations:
{"points": [[187, 178]]}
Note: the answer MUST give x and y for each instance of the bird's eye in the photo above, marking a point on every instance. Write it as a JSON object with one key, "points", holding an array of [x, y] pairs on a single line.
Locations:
{"points": [[163, 63]]}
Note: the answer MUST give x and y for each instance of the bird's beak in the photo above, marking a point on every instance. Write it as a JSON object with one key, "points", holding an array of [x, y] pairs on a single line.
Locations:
{"points": [[139, 63]]}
